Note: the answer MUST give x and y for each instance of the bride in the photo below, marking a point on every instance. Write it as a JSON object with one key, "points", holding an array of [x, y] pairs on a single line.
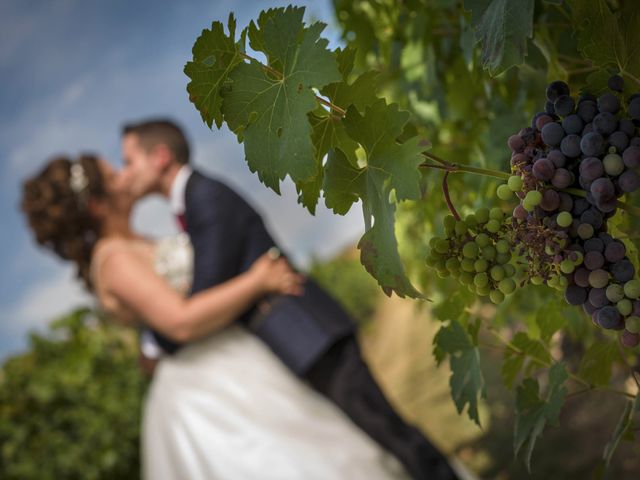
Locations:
{"points": [[224, 406]]}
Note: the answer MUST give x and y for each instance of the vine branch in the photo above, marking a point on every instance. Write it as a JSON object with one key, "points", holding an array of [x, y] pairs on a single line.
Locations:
{"points": [[445, 191]]}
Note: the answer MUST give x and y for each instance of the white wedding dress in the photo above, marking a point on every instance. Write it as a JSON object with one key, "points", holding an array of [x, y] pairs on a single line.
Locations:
{"points": [[225, 407]]}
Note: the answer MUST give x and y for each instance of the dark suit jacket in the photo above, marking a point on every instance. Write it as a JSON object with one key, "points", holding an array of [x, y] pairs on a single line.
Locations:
{"points": [[228, 235]]}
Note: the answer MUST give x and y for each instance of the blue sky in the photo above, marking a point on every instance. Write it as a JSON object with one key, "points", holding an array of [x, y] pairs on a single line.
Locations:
{"points": [[72, 72]]}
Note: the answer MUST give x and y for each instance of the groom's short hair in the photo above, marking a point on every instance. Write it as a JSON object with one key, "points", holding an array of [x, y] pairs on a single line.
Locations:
{"points": [[160, 131]]}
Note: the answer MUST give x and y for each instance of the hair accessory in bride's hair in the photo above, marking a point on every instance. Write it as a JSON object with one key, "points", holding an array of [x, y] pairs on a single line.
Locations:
{"points": [[78, 180]]}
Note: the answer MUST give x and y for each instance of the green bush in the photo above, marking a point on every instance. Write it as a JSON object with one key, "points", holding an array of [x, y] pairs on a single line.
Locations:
{"points": [[347, 280], [70, 407]]}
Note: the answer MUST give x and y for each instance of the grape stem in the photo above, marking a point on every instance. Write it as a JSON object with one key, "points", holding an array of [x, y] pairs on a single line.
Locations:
{"points": [[445, 191]]}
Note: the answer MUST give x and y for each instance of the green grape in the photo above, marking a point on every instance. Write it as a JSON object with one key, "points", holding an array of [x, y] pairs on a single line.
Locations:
{"points": [[579, 259], [536, 280], [632, 288], [502, 246], [481, 279], [470, 250], [625, 307], [496, 214], [507, 286], [461, 228], [567, 266], [496, 296], [564, 219], [528, 206], [466, 278], [489, 252], [452, 264], [482, 239], [615, 292], [443, 273], [449, 223], [509, 270], [482, 215], [493, 226], [470, 220], [503, 258], [440, 265], [599, 278], [515, 183], [632, 324], [563, 283], [431, 260], [503, 192], [467, 265], [442, 246], [553, 281], [481, 265], [483, 291], [533, 198], [497, 273]]}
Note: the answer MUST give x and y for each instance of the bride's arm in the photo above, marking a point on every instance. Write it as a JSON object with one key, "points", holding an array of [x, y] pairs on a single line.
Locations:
{"points": [[136, 285]]}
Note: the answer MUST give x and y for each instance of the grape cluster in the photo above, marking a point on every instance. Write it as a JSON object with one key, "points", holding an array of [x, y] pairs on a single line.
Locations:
{"points": [[568, 170], [478, 252]]}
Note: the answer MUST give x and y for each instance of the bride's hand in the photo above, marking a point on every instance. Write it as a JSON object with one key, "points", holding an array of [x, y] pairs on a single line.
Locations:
{"points": [[276, 276]]}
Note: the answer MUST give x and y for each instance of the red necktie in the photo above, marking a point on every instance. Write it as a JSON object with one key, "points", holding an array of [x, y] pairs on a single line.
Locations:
{"points": [[182, 222]]}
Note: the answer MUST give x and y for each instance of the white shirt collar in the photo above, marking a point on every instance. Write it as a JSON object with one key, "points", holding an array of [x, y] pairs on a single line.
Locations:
{"points": [[178, 188]]}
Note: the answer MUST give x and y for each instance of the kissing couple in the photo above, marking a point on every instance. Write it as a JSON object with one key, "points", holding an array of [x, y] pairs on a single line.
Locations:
{"points": [[262, 376]]}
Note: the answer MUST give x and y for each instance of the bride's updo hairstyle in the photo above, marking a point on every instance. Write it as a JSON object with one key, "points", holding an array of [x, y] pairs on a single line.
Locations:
{"points": [[56, 202]]}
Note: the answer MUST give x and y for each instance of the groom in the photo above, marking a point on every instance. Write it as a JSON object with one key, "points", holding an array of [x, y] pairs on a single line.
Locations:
{"points": [[311, 334]]}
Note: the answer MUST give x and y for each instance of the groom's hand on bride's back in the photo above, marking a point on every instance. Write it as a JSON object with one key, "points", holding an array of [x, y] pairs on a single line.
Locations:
{"points": [[275, 275]]}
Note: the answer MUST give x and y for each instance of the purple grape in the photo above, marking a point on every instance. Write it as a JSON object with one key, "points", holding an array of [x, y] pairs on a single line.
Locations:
{"points": [[556, 89], [566, 202], [541, 119], [588, 128], [623, 271], [603, 188], [520, 213], [573, 124], [570, 145], [552, 134], [627, 127], [598, 297], [519, 160], [634, 142], [608, 317], [592, 144], [629, 181], [616, 83], [636, 308], [515, 142], [562, 178], [594, 260], [605, 124], [618, 139], [608, 102], [550, 200], [564, 105], [629, 339], [548, 108], [634, 108], [594, 245], [581, 277], [575, 295], [587, 110], [580, 205], [593, 217], [598, 279], [631, 157], [607, 206], [557, 158], [543, 169], [588, 308], [614, 251]]}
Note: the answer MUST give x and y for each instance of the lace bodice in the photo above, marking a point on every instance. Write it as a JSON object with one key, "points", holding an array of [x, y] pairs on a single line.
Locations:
{"points": [[173, 260]]}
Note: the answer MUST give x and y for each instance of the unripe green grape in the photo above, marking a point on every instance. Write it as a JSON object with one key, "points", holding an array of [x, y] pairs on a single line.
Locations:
{"points": [[467, 265], [553, 281], [503, 192], [528, 206], [431, 260], [509, 270], [493, 226], [470, 220], [533, 198], [466, 278], [599, 278], [548, 249], [455, 273], [503, 258], [502, 246], [481, 279], [507, 286], [483, 291], [564, 219], [496, 296], [515, 183], [496, 214], [443, 273], [442, 246], [567, 266], [579, 259], [497, 273], [625, 307], [481, 265], [470, 250], [613, 164], [632, 324], [632, 288], [489, 252], [440, 264], [432, 242], [482, 215], [452, 264], [615, 293], [449, 222], [536, 280], [482, 239], [563, 283]]}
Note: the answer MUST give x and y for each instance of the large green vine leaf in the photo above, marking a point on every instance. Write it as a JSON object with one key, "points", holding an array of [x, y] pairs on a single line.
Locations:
{"points": [[502, 28], [388, 167], [535, 412], [270, 108], [214, 56]]}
